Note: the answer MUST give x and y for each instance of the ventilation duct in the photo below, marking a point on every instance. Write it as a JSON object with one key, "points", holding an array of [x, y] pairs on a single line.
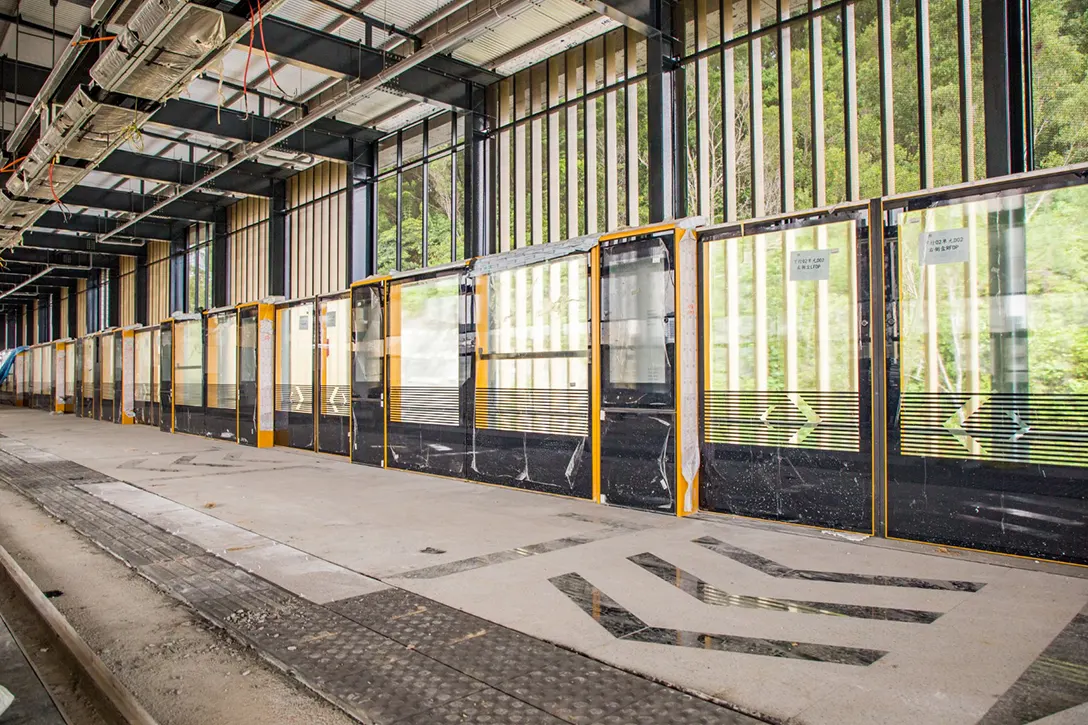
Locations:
{"points": [[39, 185], [87, 129], [61, 68], [19, 214], [162, 44]]}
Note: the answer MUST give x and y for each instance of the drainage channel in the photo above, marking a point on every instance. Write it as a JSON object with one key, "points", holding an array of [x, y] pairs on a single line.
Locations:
{"points": [[55, 676]]}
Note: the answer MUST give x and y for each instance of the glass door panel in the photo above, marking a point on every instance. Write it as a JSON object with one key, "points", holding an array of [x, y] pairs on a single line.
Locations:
{"points": [[334, 369], [368, 375]]}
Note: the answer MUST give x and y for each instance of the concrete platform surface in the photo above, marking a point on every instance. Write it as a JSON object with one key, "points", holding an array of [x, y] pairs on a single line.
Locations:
{"points": [[792, 624]]}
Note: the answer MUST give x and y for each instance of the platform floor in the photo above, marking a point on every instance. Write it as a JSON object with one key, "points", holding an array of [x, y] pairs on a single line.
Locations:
{"points": [[379, 588]]}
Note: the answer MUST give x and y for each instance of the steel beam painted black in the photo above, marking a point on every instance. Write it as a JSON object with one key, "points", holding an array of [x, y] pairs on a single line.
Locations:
{"points": [[361, 203], [92, 224], [227, 123], [439, 80], [1006, 92], [72, 243], [171, 171], [30, 255], [277, 240], [220, 259], [25, 79], [195, 206], [639, 15]]}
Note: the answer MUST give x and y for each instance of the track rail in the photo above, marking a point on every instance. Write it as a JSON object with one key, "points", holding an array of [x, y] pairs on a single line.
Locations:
{"points": [[114, 704]]}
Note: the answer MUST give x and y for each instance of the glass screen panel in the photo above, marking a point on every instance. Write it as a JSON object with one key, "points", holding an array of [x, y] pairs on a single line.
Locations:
{"points": [[334, 351], [370, 349], [156, 353], [424, 364], [222, 361], [993, 306], [105, 343], [295, 359], [637, 323], [533, 351], [189, 363], [782, 338], [88, 367], [141, 366]]}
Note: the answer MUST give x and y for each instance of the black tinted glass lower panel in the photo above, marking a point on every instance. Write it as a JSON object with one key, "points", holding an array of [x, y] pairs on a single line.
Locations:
{"points": [[638, 460]]}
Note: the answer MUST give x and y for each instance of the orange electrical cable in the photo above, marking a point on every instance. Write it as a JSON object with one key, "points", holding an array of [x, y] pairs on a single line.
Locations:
{"points": [[267, 60], [88, 41], [12, 164]]}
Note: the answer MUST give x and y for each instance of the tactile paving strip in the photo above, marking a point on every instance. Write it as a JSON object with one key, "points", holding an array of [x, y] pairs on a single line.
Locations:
{"points": [[386, 657]]}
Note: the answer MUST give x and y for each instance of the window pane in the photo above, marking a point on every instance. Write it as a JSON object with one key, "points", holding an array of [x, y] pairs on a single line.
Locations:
{"points": [[439, 210], [411, 218], [295, 359], [387, 225]]}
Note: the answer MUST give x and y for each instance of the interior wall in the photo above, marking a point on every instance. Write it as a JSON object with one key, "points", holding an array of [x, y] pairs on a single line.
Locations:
{"points": [[317, 231], [127, 290], [158, 281], [247, 231]]}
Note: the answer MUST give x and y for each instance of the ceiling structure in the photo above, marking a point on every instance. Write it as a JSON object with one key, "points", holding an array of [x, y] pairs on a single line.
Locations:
{"points": [[305, 52]]}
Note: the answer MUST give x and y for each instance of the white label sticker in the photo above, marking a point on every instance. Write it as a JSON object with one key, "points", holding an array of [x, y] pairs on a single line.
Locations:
{"points": [[947, 246], [810, 265]]}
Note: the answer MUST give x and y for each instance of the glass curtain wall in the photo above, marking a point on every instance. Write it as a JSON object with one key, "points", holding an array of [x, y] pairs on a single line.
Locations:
{"points": [[421, 195], [571, 143], [793, 105]]}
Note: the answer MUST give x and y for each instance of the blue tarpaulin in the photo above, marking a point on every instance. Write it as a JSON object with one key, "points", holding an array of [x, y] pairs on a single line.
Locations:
{"points": [[7, 363]]}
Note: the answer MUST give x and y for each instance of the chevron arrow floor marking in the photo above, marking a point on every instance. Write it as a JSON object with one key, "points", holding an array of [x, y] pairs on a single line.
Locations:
{"points": [[710, 594], [773, 568], [624, 625]]}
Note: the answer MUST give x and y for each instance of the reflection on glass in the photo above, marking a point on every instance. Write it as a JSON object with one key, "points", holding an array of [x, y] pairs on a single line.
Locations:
{"points": [[222, 361], [369, 345], [156, 353], [141, 366], [993, 315], [88, 367], [439, 211], [637, 306], [295, 358], [423, 351], [334, 355], [770, 332], [534, 336], [189, 363], [387, 224], [107, 369], [411, 218], [69, 371], [780, 311]]}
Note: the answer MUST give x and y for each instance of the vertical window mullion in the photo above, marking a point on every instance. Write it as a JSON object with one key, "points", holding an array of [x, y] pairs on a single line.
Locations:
{"points": [[729, 112], [589, 140], [536, 150], [755, 110], [572, 144], [925, 95], [611, 152], [887, 122], [702, 115], [785, 106], [850, 101], [816, 107], [631, 126]]}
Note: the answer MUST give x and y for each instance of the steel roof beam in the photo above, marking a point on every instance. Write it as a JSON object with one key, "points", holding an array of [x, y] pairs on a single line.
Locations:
{"points": [[94, 224], [32, 255], [252, 179], [72, 243], [439, 79], [193, 208], [331, 140]]}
